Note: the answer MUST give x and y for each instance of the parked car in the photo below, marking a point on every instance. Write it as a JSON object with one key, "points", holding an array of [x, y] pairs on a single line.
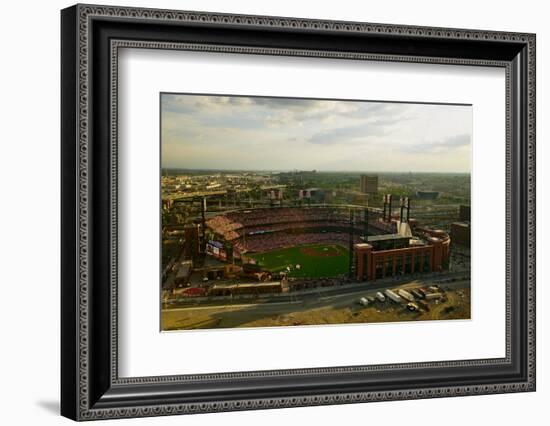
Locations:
{"points": [[417, 294], [405, 295], [433, 296], [363, 301], [413, 307]]}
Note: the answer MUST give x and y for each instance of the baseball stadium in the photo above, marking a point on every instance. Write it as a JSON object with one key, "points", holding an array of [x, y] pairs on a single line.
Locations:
{"points": [[277, 249]]}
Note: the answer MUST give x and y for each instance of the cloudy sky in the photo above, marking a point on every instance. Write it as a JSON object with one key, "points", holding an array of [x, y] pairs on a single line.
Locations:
{"points": [[258, 133]]}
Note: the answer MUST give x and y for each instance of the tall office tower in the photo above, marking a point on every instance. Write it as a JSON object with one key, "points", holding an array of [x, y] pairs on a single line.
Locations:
{"points": [[369, 184]]}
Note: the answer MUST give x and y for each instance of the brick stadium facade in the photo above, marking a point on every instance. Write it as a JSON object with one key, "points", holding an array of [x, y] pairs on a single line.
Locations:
{"points": [[431, 256]]}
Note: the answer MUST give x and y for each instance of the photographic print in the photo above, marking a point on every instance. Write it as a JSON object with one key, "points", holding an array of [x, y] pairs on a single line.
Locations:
{"points": [[295, 212]]}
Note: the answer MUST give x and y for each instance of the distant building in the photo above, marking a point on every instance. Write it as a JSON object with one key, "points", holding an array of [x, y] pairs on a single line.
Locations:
{"points": [[167, 203], [191, 242], [369, 184], [316, 195], [301, 177], [464, 213], [460, 233], [275, 194], [427, 195]]}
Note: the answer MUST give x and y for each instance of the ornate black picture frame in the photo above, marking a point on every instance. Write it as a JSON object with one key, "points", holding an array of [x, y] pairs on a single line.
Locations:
{"points": [[91, 36]]}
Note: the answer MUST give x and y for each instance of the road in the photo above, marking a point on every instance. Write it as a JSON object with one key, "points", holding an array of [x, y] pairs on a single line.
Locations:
{"points": [[234, 314], [321, 293]]}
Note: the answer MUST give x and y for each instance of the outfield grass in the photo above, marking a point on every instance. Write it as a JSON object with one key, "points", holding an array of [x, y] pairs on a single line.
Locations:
{"points": [[315, 260]]}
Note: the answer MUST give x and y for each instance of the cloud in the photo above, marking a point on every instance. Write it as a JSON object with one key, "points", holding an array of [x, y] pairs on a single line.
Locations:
{"points": [[282, 133], [439, 146], [347, 134]]}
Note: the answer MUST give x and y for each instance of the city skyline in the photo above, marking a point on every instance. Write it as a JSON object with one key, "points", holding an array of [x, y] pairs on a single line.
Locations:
{"points": [[299, 170], [234, 133]]}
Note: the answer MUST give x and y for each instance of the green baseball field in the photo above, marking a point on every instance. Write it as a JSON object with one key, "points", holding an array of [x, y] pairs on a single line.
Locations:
{"points": [[306, 261]]}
